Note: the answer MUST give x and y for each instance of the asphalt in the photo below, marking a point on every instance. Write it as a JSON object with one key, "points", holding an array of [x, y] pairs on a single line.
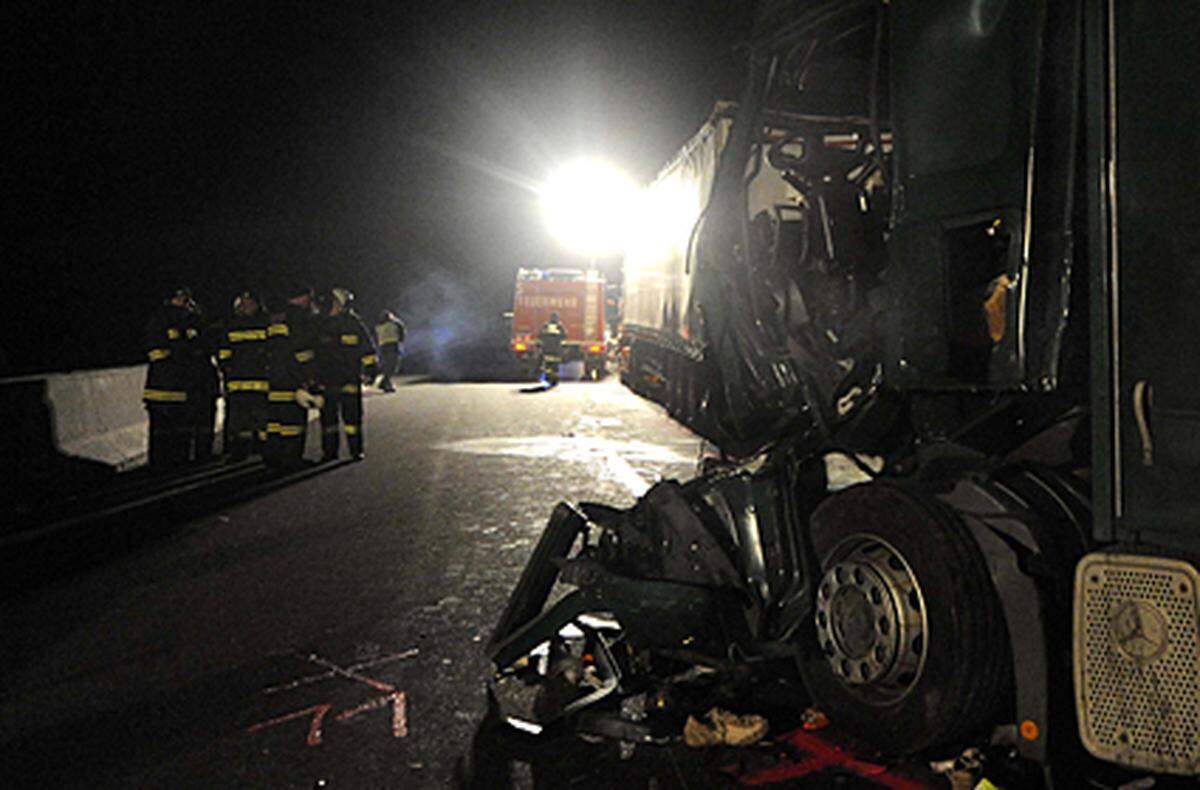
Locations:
{"points": [[327, 633]]}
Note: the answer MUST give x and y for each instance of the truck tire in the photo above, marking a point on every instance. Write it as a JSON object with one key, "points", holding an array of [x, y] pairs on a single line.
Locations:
{"points": [[911, 647]]}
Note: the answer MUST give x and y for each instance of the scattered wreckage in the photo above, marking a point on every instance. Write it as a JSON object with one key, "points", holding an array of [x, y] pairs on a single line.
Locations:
{"points": [[946, 244]]}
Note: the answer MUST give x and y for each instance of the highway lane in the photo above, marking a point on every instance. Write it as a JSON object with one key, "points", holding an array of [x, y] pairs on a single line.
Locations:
{"points": [[329, 633]]}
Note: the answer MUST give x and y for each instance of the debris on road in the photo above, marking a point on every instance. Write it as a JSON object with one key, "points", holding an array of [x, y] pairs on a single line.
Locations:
{"points": [[815, 719], [962, 771], [721, 727]]}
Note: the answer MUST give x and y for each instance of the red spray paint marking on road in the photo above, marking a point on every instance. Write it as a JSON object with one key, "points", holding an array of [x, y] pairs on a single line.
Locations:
{"points": [[815, 754], [304, 681], [378, 685], [400, 715], [373, 704], [398, 699], [314, 727], [399, 711]]}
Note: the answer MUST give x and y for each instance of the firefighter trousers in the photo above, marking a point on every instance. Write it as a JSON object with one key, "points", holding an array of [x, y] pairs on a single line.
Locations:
{"points": [[202, 419], [344, 401], [245, 423], [170, 434], [287, 423], [550, 364]]}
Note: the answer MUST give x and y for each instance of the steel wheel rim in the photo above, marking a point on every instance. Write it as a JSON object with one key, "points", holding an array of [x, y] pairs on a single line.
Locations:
{"points": [[871, 619]]}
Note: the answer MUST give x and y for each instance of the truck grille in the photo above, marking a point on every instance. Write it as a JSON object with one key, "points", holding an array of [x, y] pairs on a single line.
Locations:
{"points": [[1137, 661]]}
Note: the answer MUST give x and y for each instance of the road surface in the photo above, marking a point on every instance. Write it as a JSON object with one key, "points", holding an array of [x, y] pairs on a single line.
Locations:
{"points": [[328, 633]]}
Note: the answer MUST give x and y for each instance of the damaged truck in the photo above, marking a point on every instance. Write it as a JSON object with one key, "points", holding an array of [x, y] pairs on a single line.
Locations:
{"points": [[948, 246]]}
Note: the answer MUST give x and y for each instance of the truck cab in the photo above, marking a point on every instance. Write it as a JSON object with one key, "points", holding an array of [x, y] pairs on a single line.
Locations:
{"points": [[949, 245]]}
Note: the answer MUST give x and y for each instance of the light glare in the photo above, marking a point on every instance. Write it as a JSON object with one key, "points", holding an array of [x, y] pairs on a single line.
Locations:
{"points": [[588, 206]]}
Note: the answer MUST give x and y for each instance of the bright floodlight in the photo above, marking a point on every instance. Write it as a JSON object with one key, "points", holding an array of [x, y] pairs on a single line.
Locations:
{"points": [[588, 206]]}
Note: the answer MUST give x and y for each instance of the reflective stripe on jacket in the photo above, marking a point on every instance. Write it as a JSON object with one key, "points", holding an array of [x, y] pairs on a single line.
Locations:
{"points": [[346, 350], [291, 348], [243, 352], [169, 337]]}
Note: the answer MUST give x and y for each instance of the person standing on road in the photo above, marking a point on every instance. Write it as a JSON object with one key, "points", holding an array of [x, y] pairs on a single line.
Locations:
{"points": [[291, 352], [169, 337], [551, 339], [243, 357], [346, 358], [389, 335]]}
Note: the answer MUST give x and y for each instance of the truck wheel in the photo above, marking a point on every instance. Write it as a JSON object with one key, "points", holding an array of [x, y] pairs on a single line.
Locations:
{"points": [[912, 650]]}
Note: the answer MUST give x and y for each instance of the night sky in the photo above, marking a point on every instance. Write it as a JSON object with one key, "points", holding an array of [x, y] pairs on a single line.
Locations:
{"points": [[386, 147]]}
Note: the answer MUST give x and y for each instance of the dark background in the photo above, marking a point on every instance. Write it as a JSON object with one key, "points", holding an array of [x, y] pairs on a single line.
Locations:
{"points": [[386, 147]]}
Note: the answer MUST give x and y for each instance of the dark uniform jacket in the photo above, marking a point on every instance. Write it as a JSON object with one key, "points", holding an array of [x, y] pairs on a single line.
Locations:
{"points": [[206, 377], [346, 351], [243, 354], [170, 342], [291, 350], [551, 337]]}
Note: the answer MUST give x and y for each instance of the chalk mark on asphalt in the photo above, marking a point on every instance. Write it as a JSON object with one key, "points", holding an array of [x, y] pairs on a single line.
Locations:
{"points": [[317, 713]]}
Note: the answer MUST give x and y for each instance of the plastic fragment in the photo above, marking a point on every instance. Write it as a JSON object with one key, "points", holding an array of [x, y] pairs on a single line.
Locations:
{"points": [[814, 719]]}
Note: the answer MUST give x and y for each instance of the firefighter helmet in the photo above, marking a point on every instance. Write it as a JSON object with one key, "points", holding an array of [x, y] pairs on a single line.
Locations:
{"points": [[242, 301]]}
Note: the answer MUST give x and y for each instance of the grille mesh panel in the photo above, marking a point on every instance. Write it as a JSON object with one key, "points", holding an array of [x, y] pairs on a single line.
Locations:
{"points": [[1137, 657]]}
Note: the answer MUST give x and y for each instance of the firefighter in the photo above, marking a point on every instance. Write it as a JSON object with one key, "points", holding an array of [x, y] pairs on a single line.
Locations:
{"points": [[389, 335], [551, 339], [291, 359], [243, 357], [169, 336], [347, 357]]}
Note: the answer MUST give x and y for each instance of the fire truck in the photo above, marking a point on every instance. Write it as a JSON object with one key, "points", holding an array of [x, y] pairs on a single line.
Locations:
{"points": [[577, 296]]}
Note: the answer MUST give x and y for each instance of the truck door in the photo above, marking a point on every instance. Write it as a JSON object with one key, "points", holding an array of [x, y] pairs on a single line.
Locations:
{"points": [[1147, 437]]}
